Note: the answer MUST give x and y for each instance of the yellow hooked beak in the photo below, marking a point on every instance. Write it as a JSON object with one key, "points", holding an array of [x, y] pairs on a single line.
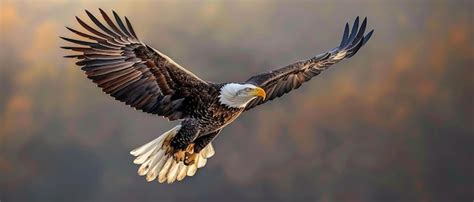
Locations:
{"points": [[259, 92]]}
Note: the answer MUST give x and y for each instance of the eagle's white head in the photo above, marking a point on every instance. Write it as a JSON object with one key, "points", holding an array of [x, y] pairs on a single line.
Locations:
{"points": [[239, 95]]}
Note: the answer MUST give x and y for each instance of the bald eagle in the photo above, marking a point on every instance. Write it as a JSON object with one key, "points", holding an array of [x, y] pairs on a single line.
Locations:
{"points": [[148, 80]]}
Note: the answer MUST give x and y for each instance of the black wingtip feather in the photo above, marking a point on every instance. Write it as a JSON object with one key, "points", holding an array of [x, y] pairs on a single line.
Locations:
{"points": [[356, 48], [74, 56], [72, 30], [101, 26], [344, 36], [85, 35], [355, 28], [112, 24], [88, 12], [367, 37], [360, 34], [121, 25], [77, 41], [130, 28], [69, 47], [64, 38]]}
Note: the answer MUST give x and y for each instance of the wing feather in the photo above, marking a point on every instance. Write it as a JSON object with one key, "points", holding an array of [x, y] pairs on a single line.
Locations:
{"points": [[130, 71], [281, 81]]}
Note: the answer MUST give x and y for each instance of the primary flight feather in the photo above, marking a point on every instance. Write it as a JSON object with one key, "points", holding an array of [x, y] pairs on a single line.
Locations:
{"points": [[146, 79]]}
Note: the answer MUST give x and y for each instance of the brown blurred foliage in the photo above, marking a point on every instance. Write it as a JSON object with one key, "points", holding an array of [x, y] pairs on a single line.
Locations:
{"points": [[395, 122]]}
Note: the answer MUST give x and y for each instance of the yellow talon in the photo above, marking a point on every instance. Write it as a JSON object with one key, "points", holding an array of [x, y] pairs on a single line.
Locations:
{"points": [[180, 155], [190, 158]]}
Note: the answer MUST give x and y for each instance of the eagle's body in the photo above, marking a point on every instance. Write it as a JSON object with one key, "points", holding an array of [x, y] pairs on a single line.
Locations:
{"points": [[146, 79], [208, 113]]}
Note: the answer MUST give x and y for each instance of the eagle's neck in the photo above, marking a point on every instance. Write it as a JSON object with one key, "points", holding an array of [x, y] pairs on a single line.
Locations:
{"points": [[230, 97]]}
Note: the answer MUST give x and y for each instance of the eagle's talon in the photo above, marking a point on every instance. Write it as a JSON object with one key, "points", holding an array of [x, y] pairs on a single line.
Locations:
{"points": [[190, 158], [180, 155]]}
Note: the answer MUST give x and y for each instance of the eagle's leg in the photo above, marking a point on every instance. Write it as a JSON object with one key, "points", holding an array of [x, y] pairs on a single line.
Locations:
{"points": [[198, 145], [182, 141], [190, 158], [203, 141]]}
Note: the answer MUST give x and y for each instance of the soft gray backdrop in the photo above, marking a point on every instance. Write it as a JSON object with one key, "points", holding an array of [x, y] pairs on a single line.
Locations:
{"points": [[394, 123]]}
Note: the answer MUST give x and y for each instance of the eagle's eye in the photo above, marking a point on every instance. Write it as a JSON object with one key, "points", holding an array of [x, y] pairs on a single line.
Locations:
{"points": [[244, 91]]}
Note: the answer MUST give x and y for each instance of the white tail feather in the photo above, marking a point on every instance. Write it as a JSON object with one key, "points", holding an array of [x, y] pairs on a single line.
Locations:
{"points": [[172, 173], [202, 161], [182, 172], [192, 169], [164, 170], [210, 151], [156, 164]]}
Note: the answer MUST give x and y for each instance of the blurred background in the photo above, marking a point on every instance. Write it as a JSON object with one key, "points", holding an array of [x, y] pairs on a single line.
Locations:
{"points": [[393, 123]]}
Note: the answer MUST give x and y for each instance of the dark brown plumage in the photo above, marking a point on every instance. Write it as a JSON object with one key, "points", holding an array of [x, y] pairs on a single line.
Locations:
{"points": [[134, 73], [280, 81]]}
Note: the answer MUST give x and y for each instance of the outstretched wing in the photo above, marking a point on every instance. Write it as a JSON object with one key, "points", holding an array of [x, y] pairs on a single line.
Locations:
{"points": [[130, 71], [281, 81]]}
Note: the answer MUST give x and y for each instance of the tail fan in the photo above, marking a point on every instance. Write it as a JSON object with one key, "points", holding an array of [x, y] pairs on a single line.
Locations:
{"points": [[156, 164]]}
